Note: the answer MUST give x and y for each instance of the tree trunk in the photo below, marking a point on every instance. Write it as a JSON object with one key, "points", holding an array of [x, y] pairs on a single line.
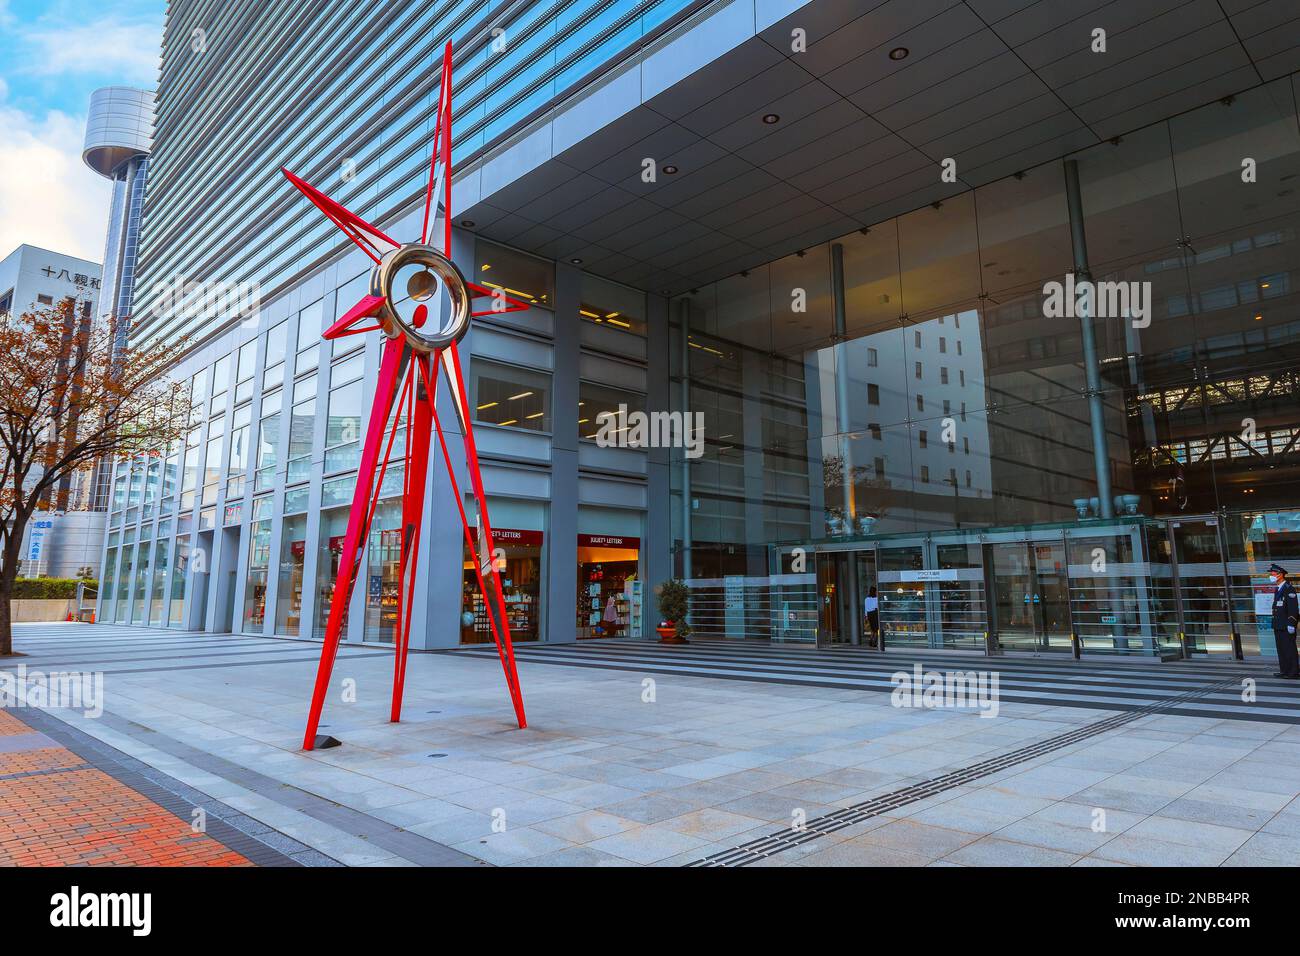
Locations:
{"points": [[8, 574], [6, 632]]}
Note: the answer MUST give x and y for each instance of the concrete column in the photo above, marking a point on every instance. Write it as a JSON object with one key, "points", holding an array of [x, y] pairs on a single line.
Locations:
{"points": [[656, 547], [561, 578], [684, 386]]}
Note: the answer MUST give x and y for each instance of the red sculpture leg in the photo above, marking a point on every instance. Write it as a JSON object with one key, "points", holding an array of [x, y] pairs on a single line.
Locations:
{"points": [[482, 549], [420, 427], [391, 369]]}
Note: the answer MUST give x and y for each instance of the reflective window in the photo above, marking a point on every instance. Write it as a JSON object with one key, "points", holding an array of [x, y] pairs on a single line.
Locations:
{"points": [[509, 395]]}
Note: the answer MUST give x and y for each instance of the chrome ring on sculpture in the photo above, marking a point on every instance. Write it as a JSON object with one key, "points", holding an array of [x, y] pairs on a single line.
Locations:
{"points": [[444, 270]]}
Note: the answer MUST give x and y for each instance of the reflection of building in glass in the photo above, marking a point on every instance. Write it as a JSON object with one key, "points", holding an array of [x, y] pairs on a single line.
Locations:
{"points": [[886, 404]]}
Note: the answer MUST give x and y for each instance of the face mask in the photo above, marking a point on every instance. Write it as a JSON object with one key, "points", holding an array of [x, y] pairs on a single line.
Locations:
{"points": [[1274, 578]]}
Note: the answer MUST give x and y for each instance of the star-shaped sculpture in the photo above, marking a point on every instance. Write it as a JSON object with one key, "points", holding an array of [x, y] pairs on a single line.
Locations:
{"points": [[422, 304]]}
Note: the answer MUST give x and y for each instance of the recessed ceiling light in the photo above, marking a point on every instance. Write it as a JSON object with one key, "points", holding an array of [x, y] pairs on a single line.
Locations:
{"points": [[771, 118], [576, 261], [670, 169], [467, 223], [899, 53]]}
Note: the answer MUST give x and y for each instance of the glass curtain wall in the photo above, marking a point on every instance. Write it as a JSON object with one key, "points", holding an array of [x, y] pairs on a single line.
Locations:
{"points": [[937, 389]]}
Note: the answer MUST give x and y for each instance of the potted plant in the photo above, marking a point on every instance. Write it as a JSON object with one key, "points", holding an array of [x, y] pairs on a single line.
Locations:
{"points": [[674, 602]]}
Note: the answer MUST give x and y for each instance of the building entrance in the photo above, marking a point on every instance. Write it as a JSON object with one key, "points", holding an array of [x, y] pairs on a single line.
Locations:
{"points": [[1036, 590], [1031, 595]]}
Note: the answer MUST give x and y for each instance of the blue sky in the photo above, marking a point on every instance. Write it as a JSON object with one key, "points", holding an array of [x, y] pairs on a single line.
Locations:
{"points": [[55, 54]]}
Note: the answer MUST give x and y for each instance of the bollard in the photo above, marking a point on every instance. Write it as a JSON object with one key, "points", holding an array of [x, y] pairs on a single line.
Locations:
{"points": [[991, 646], [1236, 646], [1076, 645]]}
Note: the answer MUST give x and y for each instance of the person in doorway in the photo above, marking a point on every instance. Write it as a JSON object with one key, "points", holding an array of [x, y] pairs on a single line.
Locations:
{"points": [[1286, 613], [872, 606], [610, 619]]}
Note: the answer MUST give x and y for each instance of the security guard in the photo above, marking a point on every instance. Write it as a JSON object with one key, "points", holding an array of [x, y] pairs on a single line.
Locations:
{"points": [[1286, 613]]}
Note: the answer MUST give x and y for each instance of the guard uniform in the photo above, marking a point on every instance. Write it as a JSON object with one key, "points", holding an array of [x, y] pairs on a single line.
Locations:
{"points": [[1286, 614]]}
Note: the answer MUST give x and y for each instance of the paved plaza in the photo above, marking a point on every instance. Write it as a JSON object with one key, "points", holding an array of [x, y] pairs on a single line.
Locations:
{"points": [[716, 754]]}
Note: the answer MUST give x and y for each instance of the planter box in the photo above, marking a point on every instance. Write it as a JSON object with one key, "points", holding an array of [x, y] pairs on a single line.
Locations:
{"points": [[28, 611]]}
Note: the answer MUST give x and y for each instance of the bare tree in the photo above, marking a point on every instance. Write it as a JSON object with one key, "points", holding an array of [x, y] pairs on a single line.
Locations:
{"points": [[69, 398]]}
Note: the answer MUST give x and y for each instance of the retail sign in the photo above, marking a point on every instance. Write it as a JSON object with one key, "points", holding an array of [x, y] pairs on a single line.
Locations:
{"points": [[605, 541], [515, 536], [934, 574]]}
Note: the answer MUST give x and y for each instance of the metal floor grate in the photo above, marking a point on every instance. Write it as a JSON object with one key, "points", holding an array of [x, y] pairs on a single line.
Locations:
{"points": [[788, 837]]}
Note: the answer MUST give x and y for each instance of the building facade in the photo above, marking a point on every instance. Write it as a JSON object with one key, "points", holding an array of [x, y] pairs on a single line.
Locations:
{"points": [[843, 237], [66, 536]]}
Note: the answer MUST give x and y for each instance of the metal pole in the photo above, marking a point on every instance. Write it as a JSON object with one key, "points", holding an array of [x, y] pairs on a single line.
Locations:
{"points": [[683, 316], [842, 387], [1092, 371]]}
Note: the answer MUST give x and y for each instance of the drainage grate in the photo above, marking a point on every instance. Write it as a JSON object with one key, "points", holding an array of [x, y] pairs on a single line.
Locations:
{"points": [[785, 839]]}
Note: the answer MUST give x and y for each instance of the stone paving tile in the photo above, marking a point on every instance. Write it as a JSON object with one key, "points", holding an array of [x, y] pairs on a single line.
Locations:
{"points": [[1142, 851], [859, 852], [711, 824], [994, 851], [1207, 836], [586, 826], [576, 856], [513, 845], [1037, 831], [651, 808], [1216, 811], [922, 839], [647, 845]]}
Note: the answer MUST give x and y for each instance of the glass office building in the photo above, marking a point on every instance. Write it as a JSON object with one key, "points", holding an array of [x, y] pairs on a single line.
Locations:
{"points": [[740, 212]]}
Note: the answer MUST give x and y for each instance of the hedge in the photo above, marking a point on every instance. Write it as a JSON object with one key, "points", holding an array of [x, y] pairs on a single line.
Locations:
{"points": [[28, 589]]}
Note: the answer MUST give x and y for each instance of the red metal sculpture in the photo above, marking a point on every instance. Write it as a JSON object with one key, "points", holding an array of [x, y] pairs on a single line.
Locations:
{"points": [[423, 305]]}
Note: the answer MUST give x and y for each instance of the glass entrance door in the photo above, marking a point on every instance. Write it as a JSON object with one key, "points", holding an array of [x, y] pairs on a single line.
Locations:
{"points": [[1201, 585], [1031, 595], [1052, 595], [835, 611]]}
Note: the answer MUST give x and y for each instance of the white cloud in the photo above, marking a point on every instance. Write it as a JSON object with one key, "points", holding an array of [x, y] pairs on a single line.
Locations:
{"points": [[130, 51], [48, 197]]}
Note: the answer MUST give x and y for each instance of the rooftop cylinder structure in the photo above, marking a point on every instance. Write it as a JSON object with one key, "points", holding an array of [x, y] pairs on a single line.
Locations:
{"points": [[119, 136]]}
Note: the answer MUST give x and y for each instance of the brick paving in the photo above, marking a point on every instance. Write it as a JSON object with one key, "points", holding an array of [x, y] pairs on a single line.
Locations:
{"points": [[56, 810]]}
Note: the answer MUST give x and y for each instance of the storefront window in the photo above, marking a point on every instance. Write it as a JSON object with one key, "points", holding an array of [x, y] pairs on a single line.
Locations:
{"points": [[293, 544], [107, 576], [610, 592], [259, 562], [383, 572], [125, 567], [140, 590], [176, 616], [518, 558], [333, 529], [510, 396], [156, 604]]}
